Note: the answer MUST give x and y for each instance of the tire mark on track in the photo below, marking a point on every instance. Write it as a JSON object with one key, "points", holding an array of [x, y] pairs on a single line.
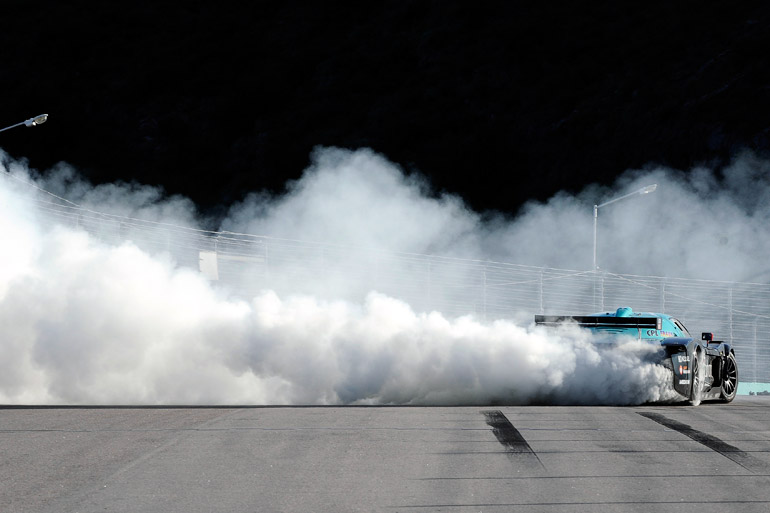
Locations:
{"points": [[731, 452], [508, 435]]}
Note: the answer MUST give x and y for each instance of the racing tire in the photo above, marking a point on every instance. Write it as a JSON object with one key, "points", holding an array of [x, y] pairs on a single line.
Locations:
{"points": [[695, 387], [729, 379]]}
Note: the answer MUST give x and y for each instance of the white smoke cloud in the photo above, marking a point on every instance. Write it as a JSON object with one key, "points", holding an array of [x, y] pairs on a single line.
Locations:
{"points": [[85, 321], [127, 199], [702, 224], [100, 324], [359, 198]]}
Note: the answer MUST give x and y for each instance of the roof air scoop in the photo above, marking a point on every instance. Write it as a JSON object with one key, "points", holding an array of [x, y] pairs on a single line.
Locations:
{"points": [[624, 311]]}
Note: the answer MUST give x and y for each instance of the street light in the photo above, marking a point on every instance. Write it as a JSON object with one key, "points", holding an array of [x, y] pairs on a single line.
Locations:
{"points": [[37, 120], [643, 190]]}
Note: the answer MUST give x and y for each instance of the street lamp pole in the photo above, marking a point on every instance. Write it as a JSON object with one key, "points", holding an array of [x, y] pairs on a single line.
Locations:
{"points": [[643, 190], [37, 120]]}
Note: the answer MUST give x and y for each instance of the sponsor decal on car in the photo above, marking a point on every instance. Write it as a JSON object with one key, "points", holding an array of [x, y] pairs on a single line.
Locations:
{"points": [[682, 359], [683, 369], [684, 381]]}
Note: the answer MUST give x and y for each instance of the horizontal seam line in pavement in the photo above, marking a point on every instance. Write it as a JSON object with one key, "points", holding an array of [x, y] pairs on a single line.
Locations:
{"points": [[246, 428], [592, 503], [526, 478], [613, 451]]}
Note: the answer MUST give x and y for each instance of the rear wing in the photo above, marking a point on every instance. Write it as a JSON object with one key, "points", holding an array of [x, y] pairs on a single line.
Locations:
{"points": [[598, 321]]}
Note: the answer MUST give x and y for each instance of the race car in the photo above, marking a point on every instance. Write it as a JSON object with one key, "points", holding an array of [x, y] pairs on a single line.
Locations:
{"points": [[702, 369]]}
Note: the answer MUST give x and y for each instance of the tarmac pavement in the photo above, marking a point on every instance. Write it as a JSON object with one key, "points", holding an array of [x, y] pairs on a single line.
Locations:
{"points": [[710, 458]]}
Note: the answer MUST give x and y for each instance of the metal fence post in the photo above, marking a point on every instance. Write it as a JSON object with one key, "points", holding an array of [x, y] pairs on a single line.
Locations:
{"points": [[602, 290], [754, 347], [267, 262], [663, 294], [730, 311], [542, 299], [484, 293]]}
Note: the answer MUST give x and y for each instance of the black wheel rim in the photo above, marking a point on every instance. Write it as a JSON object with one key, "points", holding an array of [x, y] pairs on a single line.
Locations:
{"points": [[731, 377]]}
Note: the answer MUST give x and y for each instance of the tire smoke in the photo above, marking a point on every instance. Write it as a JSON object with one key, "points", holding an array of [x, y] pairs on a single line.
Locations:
{"points": [[85, 321]]}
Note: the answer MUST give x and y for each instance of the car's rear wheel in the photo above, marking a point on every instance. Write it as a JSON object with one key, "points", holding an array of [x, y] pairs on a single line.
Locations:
{"points": [[729, 378], [695, 387]]}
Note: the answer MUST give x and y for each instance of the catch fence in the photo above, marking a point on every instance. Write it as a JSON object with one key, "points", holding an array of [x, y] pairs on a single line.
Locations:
{"points": [[247, 264]]}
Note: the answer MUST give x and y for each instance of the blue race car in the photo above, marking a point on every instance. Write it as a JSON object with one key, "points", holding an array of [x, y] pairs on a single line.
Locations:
{"points": [[702, 369]]}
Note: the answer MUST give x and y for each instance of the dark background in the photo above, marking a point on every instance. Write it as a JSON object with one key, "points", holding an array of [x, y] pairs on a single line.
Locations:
{"points": [[499, 102]]}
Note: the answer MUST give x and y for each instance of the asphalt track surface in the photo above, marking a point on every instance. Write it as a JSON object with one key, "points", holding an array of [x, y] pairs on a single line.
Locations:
{"points": [[710, 458]]}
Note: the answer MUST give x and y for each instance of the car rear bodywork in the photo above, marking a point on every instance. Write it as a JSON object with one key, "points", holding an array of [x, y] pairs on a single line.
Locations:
{"points": [[701, 369]]}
